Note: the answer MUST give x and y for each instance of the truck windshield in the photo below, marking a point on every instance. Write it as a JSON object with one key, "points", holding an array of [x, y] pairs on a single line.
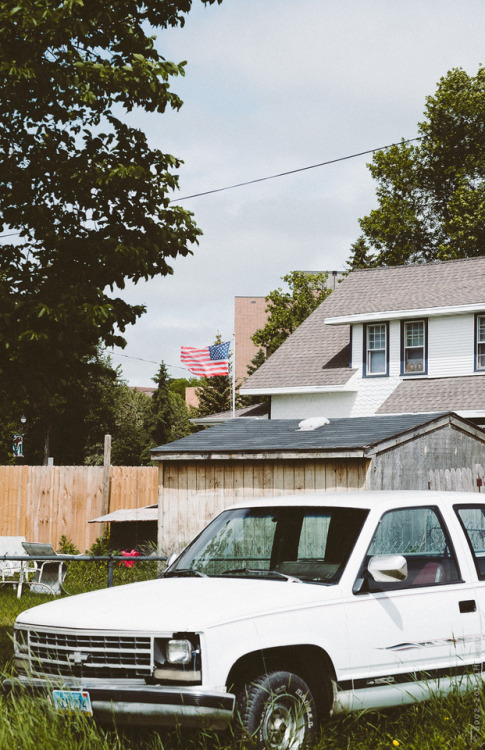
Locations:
{"points": [[283, 543]]}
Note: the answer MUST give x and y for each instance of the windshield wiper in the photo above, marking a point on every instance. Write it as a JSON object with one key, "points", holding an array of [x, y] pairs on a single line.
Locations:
{"points": [[185, 572], [252, 571]]}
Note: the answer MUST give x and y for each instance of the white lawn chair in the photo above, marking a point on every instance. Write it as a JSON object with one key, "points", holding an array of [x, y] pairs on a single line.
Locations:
{"points": [[49, 574], [14, 571]]}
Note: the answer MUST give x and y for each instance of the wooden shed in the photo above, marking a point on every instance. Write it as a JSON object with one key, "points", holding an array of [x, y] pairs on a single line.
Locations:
{"points": [[202, 474]]}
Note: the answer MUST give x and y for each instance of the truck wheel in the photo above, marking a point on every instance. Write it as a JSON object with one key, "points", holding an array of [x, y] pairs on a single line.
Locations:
{"points": [[278, 711]]}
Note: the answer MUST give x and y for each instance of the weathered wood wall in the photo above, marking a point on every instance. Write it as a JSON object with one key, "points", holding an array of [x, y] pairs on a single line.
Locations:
{"points": [[43, 503], [191, 493], [406, 466]]}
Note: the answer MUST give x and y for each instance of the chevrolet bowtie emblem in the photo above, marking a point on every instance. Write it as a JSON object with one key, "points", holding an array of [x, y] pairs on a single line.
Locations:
{"points": [[77, 658]]}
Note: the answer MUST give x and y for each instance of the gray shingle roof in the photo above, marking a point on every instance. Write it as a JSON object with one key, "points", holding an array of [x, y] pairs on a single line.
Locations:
{"points": [[413, 287], [437, 394], [280, 435], [318, 355]]}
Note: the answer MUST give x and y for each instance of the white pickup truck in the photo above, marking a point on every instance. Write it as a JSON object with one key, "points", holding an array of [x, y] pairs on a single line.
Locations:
{"points": [[281, 611]]}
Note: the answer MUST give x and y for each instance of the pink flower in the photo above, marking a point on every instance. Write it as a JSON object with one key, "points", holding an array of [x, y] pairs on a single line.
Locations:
{"points": [[129, 553]]}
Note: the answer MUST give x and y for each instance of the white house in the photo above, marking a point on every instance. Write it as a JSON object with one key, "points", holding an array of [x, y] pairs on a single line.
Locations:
{"points": [[394, 340]]}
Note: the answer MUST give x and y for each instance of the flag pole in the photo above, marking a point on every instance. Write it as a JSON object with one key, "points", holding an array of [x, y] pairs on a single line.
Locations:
{"points": [[234, 376]]}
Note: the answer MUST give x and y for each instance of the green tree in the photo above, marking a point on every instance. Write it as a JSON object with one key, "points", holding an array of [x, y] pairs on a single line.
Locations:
{"points": [[256, 362], [431, 194], [72, 421], [169, 418], [84, 192], [288, 309], [214, 395], [131, 439], [360, 256], [178, 385]]}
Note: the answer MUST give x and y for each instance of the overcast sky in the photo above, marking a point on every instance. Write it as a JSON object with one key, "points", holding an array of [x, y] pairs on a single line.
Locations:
{"points": [[273, 86]]}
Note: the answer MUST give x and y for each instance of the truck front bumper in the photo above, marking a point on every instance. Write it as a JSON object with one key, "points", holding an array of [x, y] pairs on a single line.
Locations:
{"points": [[145, 705]]}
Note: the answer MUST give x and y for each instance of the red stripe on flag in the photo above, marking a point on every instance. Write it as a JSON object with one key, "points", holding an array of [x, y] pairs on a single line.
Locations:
{"points": [[198, 361]]}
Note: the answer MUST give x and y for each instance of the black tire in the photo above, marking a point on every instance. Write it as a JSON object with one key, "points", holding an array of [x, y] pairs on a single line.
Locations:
{"points": [[277, 711]]}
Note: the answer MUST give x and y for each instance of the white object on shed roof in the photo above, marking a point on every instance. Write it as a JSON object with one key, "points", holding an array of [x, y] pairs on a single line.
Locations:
{"points": [[313, 423]]}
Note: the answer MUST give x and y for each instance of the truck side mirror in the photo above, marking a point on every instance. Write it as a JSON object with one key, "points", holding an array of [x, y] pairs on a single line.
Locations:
{"points": [[388, 568], [171, 558]]}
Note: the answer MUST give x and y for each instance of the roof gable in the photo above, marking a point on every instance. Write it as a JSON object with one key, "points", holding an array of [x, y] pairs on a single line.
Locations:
{"points": [[317, 355], [414, 287]]}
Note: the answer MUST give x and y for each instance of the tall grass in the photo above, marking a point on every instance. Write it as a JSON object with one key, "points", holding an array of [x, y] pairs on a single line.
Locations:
{"points": [[27, 723], [455, 723]]}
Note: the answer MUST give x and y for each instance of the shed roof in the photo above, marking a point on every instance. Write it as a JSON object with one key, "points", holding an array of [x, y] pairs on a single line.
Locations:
{"points": [[148, 513], [241, 438]]}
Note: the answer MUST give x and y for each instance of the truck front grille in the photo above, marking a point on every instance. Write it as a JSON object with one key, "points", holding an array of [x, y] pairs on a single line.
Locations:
{"points": [[74, 654]]}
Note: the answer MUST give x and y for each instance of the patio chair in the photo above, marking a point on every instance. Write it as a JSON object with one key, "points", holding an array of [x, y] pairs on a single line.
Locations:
{"points": [[14, 571], [49, 574]]}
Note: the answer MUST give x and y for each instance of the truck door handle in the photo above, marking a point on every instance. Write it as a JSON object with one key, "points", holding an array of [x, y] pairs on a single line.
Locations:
{"points": [[468, 605]]}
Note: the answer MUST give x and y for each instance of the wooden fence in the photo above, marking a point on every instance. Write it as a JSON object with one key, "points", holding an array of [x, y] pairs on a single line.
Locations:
{"points": [[42, 503], [465, 479]]}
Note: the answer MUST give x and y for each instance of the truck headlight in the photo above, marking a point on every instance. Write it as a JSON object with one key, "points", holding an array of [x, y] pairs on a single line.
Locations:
{"points": [[179, 651], [21, 641], [177, 659]]}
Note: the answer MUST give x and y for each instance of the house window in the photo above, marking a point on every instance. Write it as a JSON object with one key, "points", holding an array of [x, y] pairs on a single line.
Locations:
{"points": [[376, 359], [480, 337], [413, 339]]}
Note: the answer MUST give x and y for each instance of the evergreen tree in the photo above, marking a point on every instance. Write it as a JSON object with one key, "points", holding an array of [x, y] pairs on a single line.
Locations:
{"points": [[214, 395], [160, 407], [169, 417], [360, 257]]}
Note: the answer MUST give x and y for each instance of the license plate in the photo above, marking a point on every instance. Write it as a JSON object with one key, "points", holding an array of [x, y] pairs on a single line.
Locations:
{"points": [[72, 701]]}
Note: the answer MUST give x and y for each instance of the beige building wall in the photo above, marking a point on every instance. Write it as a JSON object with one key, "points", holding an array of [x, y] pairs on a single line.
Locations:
{"points": [[191, 398], [249, 315]]}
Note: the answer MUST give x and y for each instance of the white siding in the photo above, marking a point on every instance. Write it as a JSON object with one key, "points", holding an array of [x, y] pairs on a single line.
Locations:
{"points": [[304, 405], [450, 353], [372, 392], [357, 348], [451, 341], [451, 346], [395, 348]]}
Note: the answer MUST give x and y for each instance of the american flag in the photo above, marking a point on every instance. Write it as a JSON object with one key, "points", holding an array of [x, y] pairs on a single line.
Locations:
{"points": [[210, 361]]}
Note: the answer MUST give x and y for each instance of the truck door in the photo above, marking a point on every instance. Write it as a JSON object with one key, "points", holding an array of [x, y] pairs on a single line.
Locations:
{"points": [[409, 636]]}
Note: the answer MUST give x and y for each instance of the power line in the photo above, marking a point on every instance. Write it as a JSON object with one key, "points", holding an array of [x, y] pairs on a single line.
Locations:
{"points": [[275, 176], [127, 356], [148, 361], [294, 171]]}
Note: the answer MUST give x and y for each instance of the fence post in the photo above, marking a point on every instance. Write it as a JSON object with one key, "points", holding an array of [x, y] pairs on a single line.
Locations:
{"points": [[110, 573], [106, 475]]}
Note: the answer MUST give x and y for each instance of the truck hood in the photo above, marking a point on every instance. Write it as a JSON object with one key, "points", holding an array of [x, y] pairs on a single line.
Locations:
{"points": [[177, 604]]}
